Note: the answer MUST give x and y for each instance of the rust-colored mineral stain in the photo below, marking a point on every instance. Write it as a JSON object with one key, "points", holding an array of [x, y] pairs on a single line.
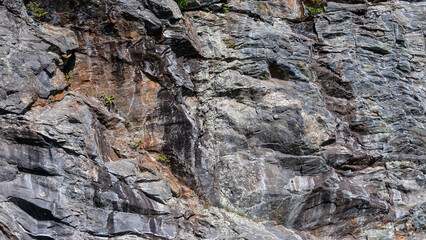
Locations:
{"points": [[149, 143], [290, 4], [50, 26], [149, 92], [152, 164], [135, 35], [400, 235], [176, 186], [54, 98]]}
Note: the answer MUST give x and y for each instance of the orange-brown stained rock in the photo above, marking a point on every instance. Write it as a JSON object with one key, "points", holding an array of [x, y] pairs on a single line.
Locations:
{"points": [[164, 172], [172, 183], [54, 98], [400, 235]]}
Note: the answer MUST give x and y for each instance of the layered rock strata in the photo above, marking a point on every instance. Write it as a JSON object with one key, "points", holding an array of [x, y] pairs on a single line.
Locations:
{"points": [[246, 120]]}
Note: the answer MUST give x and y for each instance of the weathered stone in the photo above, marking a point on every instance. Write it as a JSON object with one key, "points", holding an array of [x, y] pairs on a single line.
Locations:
{"points": [[165, 9], [312, 123], [156, 190], [63, 39], [146, 177]]}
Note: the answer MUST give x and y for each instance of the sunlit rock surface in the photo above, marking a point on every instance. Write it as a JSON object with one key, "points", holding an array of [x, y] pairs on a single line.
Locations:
{"points": [[246, 120]]}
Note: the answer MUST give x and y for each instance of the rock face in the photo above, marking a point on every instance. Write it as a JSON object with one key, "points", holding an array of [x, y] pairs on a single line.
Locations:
{"points": [[128, 119]]}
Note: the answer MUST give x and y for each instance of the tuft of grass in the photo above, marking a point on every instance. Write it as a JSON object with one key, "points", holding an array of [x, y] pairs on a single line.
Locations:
{"points": [[394, 7]]}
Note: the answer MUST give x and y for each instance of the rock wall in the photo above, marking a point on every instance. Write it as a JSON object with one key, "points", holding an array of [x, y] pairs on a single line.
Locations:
{"points": [[131, 119]]}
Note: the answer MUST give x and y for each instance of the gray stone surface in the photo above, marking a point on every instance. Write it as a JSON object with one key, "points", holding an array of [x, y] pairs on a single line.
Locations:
{"points": [[259, 123]]}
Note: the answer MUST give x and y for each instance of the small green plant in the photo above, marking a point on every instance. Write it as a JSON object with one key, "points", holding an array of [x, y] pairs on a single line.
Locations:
{"points": [[37, 11], [315, 11], [137, 143], [68, 76], [163, 159], [394, 7], [224, 9], [226, 208], [230, 44], [108, 100], [261, 7], [182, 3]]}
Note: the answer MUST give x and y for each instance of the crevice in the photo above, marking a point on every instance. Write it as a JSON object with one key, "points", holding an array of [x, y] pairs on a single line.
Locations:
{"points": [[5, 231], [69, 63], [36, 237], [36, 171], [36, 212]]}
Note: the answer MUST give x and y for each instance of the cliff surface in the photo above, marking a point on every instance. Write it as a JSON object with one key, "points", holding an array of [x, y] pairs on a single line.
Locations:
{"points": [[135, 119]]}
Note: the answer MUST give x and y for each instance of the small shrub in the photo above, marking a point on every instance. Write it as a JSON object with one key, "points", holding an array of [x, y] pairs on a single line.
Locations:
{"points": [[315, 11], [107, 99], [226, 208], [224, 9], [163, 159], [37, 11], [394, 8], [182, 3], [137, 142], [68, 76]]}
